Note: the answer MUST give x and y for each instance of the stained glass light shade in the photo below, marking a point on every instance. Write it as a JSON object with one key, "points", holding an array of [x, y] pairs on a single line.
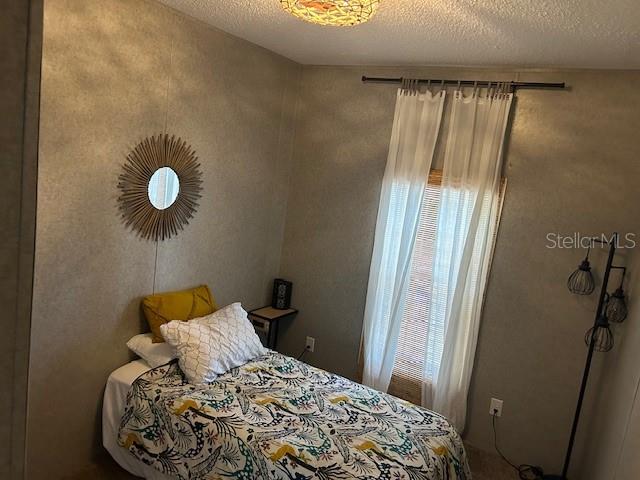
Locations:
{"points": [[342, 13]]}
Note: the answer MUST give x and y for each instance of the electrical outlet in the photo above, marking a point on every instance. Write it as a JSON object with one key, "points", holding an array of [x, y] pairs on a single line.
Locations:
{"points": [[496, 407], [311, 344]]}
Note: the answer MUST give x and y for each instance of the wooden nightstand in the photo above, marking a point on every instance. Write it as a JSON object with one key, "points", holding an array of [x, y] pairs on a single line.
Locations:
{"points": [[266, 319]]}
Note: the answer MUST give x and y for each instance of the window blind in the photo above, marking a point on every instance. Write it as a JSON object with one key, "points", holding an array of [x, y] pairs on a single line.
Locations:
{"points": [[419, 325]]}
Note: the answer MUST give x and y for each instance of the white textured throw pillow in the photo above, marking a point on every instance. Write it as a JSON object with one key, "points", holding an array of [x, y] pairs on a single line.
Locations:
{"points": [[212, 345], [155, 354]]}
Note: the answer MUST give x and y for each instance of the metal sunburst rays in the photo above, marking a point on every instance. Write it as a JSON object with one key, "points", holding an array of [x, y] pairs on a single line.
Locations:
{"points": [[135, 207]]}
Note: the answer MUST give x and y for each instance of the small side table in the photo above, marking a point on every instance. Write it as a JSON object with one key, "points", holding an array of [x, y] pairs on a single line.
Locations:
{"points": [[267, 319]]}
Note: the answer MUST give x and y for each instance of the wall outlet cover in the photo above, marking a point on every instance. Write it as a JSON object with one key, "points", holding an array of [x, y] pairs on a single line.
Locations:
{"points": [[496, 407], [311, 344]]}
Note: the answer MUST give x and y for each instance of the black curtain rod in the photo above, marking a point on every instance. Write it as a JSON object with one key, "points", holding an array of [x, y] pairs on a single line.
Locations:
{"points": [[479, 83]]}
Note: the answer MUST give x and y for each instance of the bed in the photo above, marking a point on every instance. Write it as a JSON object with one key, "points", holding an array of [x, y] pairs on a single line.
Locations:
{"points": [[272, 418]]}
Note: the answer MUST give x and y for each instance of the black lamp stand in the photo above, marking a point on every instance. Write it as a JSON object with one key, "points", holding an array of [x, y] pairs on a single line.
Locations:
{"points": [[599, 322]]}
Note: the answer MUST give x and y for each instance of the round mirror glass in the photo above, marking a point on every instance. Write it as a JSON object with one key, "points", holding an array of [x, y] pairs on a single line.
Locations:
{"points": [[163, 188]]}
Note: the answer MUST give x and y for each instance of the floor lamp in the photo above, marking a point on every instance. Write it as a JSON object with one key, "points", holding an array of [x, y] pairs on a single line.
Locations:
{"points": [[611, 309]]}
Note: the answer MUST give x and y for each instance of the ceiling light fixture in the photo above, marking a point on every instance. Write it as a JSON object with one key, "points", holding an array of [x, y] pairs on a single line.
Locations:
{"points": [[342, 13]]}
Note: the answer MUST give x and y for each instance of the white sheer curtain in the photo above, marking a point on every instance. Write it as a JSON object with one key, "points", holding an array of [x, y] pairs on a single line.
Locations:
{"points": [[467, 220], [413, 138]]}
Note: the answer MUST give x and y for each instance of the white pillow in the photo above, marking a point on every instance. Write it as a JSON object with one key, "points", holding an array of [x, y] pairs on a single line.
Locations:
{"points": [[155, 354], [212, 345]]}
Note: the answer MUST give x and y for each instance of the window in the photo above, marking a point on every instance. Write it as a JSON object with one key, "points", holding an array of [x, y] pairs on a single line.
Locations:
{"points": [[422, 330]]}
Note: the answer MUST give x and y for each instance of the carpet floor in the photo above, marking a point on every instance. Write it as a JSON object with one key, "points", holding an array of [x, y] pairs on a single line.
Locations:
{"points": [[489, 466]]}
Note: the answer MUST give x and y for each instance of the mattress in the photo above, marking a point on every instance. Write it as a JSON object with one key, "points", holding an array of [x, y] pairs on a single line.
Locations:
{"points": [[278, 418], [115, 399]]}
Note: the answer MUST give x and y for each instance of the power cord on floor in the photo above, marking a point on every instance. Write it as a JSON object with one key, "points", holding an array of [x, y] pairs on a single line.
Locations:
{"points": [[525, 472]]}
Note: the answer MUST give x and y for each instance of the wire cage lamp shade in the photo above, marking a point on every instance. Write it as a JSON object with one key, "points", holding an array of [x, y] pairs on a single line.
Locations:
{"points": [[601, 336], [581, 281], [341, 13], [616, 310]]}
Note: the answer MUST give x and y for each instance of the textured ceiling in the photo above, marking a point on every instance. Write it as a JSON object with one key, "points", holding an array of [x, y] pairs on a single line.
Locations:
{"points": [[545, 33]]}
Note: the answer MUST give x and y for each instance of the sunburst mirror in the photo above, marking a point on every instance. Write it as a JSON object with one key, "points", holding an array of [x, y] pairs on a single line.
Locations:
{"points": [[159, 187]]}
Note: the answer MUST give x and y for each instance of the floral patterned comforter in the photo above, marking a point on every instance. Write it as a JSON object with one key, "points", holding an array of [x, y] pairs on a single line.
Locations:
{"points": [[278, 418]]}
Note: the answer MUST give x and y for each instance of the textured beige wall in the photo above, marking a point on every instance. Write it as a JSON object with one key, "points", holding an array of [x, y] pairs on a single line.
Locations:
{"points": [[114, 72], [20, 41], [572, 165]]}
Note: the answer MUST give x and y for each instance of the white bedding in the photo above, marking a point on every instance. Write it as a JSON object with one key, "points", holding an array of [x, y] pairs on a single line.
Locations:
{"points": [[115, 399]]}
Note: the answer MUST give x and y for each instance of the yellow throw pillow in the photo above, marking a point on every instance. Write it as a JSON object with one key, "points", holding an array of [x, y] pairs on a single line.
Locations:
{"points": [[161, 308]]}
